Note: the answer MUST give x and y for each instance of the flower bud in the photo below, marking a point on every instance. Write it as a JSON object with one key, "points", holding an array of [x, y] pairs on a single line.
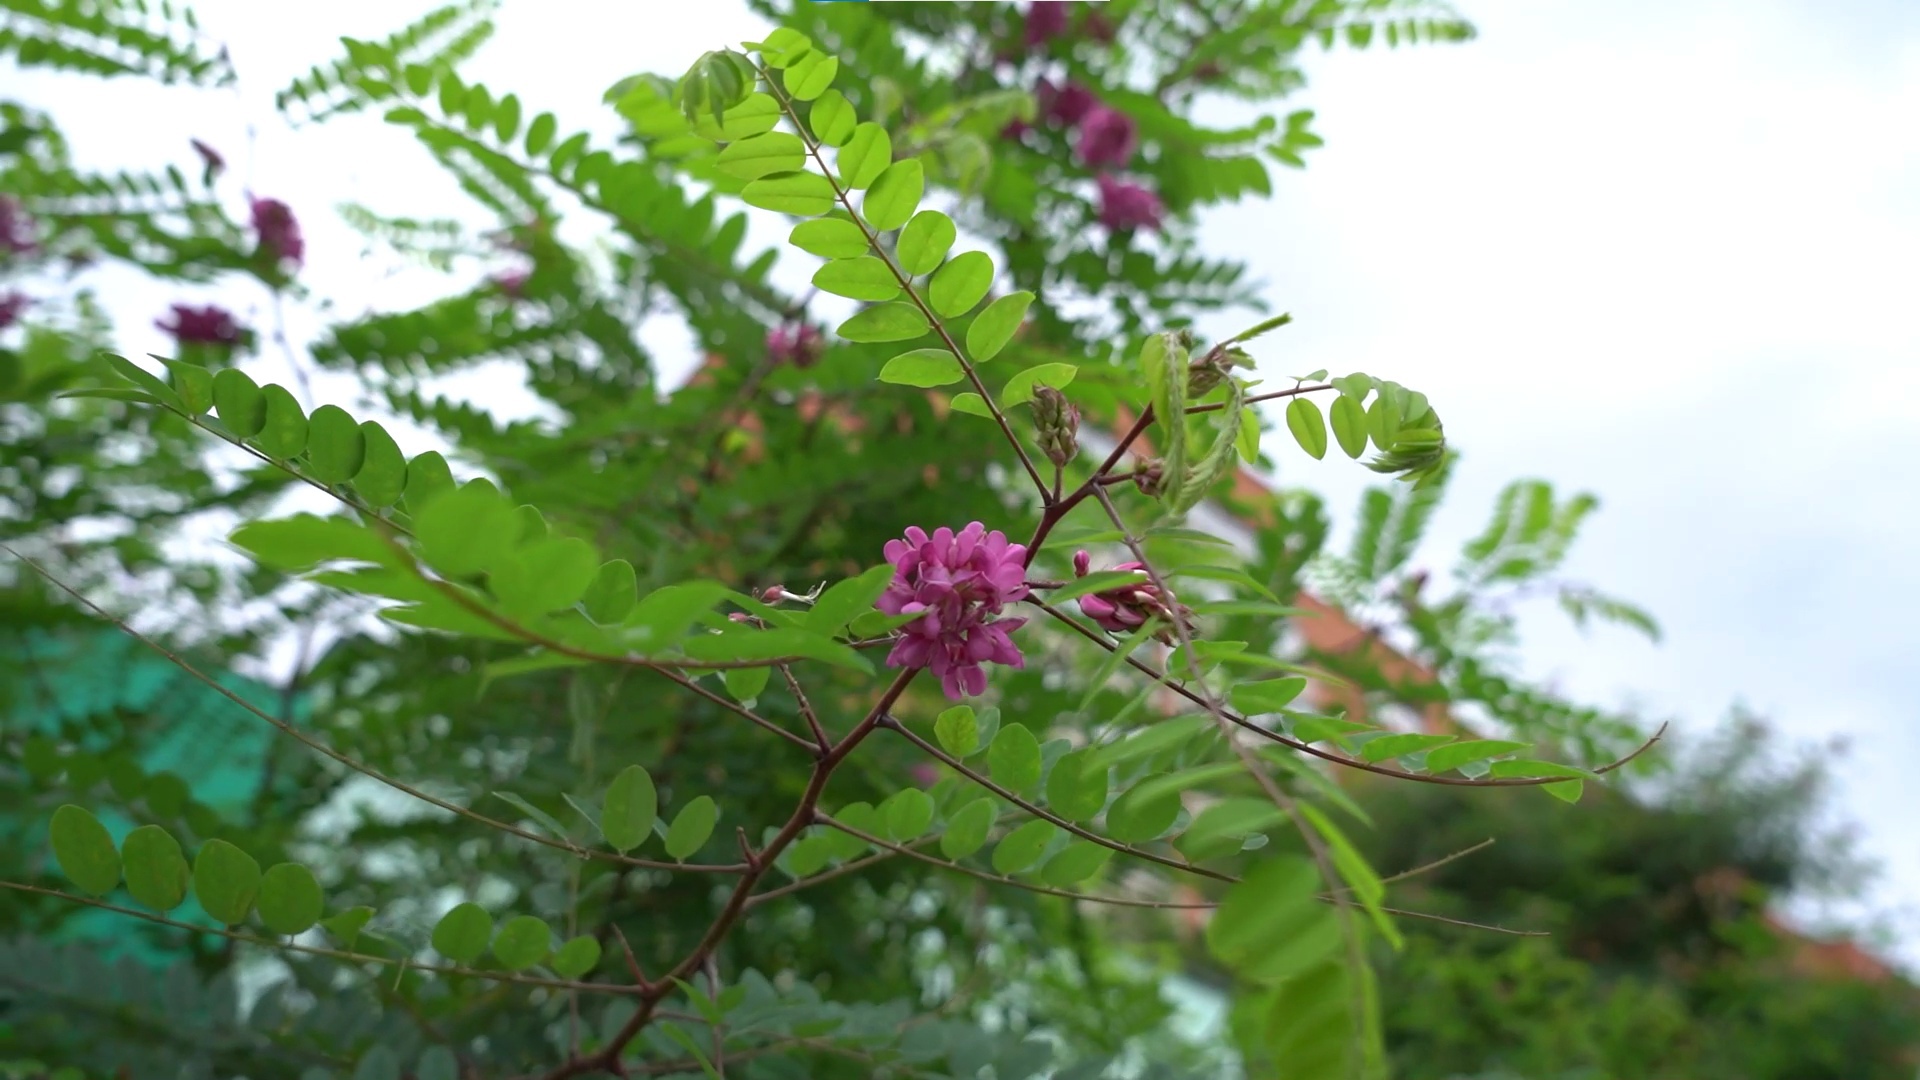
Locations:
{"points": [[1212, 367], [1058, 423], [1150, 478]]}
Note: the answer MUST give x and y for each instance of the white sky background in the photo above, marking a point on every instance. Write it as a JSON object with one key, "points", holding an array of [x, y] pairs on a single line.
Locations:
{"points": [[1665, 252]]}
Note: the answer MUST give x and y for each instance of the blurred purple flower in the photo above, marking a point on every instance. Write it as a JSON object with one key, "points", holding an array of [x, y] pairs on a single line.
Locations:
{"points": [[795, 343], [1015, 130], [279, 232], [1065, 106], [955, 582], [11, 305], [513, 283], [1126, 608], [925, 775], [1108, 138], [209, 325], [1126, 205], [1045, 21], [16, 228]]}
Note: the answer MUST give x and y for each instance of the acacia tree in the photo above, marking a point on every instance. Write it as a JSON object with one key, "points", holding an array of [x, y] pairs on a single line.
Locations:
{"points": [[667, 793]]}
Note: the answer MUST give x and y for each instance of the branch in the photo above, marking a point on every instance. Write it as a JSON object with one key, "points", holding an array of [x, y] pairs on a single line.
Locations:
{"points": [[1046, 815], [315, 950], [369, 771]]}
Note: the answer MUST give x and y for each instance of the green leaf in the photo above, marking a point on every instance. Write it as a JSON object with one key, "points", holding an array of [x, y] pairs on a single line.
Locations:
{"points": [[923, 367], [1353, 869], [193, 383], [84, 849], [971, 403], [1019, 389], [1022, 847], [1074, 864], [924, 242], [1451, 757], [994, 327], [967, 829], [1247, 439], [832, 118], [382, 476], [895, 195], [285, 433], [1383, 419], [1355, 386], [467, 531], [225, 881], [859, 816], [336, 447], [847, 599], [763, 155], [428, 478], [1392, 746], [1222, 828], [544, 576], [740, 644], [1013, 760], [156, 871], [1267, 696], [868, 152], [758, 113], [612, 593], [960, 284], [805, 194], [462, 934], [691, 827], [746, 684], [885, 322], [861, 278], [811, 74], [346, 926], [145, 380], [242, 408], [303, 541], [1534, 769], [577, 957], [829, 238], [908, 814], [1349, 426], [1272, 925], [1315, 729], [662, 619], [1162, 736], [438, 1062], [1077, 787], [1308, 427], [628, 811], [535, 814], [957, 731], [378, 1063], [522, 942], [540, 134], [1142, 814], [988, 724], [290, 901]]}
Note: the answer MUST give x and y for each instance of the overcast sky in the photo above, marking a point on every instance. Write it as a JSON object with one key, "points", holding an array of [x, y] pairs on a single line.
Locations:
{"points": [[1665, 252]]}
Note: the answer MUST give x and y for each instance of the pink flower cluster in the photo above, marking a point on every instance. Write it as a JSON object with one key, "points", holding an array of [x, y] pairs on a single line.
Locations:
{"points": [[795, 343], [1107, 138], [279, 232], [16, 228], [1126, 608], [209, 325], [11, 305], [957, 583]]}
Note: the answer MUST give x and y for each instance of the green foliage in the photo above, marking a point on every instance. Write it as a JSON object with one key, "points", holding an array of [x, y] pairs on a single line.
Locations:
{"points": [[592, 625]]}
